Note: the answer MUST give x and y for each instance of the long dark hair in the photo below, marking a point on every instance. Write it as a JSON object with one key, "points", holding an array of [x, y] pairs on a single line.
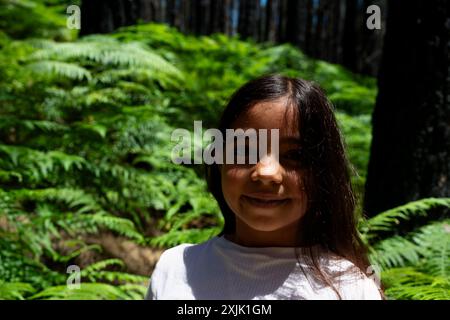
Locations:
{"points": [[329, 220]]}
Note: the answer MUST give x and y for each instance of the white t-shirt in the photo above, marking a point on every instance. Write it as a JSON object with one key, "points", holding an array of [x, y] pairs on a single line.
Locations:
{"points": [[219, 269]]}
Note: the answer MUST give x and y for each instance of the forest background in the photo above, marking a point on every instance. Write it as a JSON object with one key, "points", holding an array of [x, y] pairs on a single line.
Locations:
{"points": [[87, 188]]}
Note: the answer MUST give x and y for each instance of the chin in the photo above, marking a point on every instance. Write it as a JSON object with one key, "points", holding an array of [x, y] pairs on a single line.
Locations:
{"points": [[264, 224]]}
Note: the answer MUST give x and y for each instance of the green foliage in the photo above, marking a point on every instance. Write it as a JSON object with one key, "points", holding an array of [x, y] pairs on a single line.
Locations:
{"points": [[415, 264], [357, 137], [92, 291], [410, 284], [85, 147], [37, 19], [14, 290]]}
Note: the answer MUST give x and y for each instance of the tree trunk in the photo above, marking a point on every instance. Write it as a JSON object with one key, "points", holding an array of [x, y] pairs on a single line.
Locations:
{"points": [[410, 152], [339, 31], [172, 13], [349, 45], [270, 25], [372, 41], [294, 22], [104, 16], [220, 17], [282, 22], [248, 18], [318, 43], [331, 34], [309, 33]]}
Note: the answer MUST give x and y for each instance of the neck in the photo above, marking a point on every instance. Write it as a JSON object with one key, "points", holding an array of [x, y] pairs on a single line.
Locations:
{"points": [[246, 236]]}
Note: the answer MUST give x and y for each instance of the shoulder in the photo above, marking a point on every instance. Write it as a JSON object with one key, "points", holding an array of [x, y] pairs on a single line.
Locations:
{"points": [[170, 264], [352, 283], [172, 256], [171, 271]]}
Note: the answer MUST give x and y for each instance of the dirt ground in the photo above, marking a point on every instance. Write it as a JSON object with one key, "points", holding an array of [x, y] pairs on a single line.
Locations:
{"points": [[138, 259]]}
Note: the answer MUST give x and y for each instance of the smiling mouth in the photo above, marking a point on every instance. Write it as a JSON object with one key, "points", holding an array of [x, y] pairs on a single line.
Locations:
{"points": [[265, 203]]}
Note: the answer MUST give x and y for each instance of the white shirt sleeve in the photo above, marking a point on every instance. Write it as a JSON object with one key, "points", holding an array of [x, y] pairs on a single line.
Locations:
{"points": [[156, 280], [353, 283], [362, 289]]}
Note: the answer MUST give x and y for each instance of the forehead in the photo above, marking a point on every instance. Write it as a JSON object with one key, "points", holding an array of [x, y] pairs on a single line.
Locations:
{"points": [[276, 114]]}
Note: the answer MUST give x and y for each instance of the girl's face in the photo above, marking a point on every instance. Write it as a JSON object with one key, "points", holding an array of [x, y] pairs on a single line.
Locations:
{"points": [[268, 197]]}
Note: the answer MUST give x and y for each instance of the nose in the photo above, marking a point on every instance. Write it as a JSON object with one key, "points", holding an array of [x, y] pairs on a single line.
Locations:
{"points": [[268, 170]]}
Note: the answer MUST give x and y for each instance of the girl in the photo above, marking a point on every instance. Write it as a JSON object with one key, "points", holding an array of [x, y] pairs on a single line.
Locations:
{"points": [[290, 230]]}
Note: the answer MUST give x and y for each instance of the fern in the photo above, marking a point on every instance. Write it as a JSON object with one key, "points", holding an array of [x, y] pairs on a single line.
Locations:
{"points": [[389, 220], [14, 290], [120, 225], [407, 283], [85, 127], [415, 265], [105, 51], [62, 69], [95, 272], [89, 291]]}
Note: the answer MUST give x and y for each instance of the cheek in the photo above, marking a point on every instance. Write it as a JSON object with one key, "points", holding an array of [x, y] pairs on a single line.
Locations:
{"points": [[294, 181], [233, 181]]}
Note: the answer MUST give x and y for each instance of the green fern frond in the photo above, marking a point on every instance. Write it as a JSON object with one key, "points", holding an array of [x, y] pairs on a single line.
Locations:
{"points": [[429, 243], [115, 276], [60, 69], [408, 283], [10, 177], [390, 219], [435, 239], [106, 51], [395, 251], [135, 291], [14, 290], [7, 122], [100, 266], [120, 225], [86, 291], [74, 198], [39, 165]]}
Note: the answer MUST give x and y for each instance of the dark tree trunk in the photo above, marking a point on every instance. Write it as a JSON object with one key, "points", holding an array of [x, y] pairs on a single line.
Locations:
{"points": [[410, 152], [294, 22], [333, 30], [372, 41], [318, 36], [309, 32], [282, 22], [339, 31], [104, 16], [248, 18], [270, 25], [220, 17], [203, 18], [302, 16], [349, 45], [331, 33], [172, 13]]}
